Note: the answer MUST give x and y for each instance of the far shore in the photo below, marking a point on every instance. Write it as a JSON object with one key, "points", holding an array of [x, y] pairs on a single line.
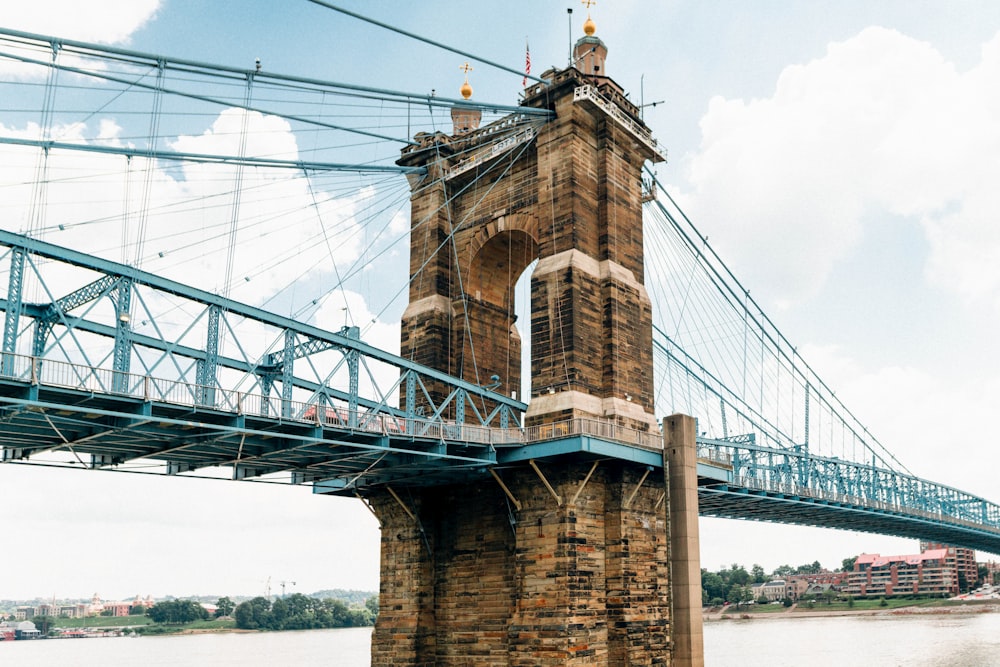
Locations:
{"points": [[796, 611]]}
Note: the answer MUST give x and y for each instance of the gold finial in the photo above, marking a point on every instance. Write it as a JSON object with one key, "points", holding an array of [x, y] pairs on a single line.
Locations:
{"points": [[466, 89], [589, 27]]}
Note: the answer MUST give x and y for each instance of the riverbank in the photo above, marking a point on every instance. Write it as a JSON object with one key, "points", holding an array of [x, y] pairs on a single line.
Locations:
{"points": [[899, 608]]}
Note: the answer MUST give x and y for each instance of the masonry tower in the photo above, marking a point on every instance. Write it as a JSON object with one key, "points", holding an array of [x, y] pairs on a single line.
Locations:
{"points": [[562, 561]]}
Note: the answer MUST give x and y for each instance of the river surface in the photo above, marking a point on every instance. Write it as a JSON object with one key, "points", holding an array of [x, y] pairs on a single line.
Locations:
{"points": [[953, 640]]}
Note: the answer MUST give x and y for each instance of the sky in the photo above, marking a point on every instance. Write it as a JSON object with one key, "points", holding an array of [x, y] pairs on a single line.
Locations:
{"points": [[842, 157]]}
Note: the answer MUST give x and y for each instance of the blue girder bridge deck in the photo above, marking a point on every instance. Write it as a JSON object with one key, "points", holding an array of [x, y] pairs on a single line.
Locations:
{"points": [[117, 432], [91, 378]]}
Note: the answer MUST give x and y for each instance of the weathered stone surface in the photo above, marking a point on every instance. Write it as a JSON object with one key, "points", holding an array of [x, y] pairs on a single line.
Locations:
{"points": [[472, 581], [572, 199], [467, 578]]}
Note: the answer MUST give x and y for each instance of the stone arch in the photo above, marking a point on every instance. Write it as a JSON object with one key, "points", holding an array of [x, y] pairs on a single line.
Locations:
{"points": [[500, 251], [497, 254]]}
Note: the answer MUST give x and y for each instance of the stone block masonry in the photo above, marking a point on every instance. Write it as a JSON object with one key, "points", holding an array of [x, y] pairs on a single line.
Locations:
{"points": [[468, 579]]}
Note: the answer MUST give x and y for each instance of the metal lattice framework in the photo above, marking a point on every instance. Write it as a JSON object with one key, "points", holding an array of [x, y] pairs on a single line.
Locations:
{"points": [[105, 365], [100, 350]]}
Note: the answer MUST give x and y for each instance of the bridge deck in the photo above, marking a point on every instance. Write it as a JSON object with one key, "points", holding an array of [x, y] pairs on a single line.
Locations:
{"points": [[91, 429]]}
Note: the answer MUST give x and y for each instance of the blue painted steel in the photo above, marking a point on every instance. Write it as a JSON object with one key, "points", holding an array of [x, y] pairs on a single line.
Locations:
{"points": [[230, 307], [287, 373], [186, 65], [207, 367], [207, 158], [123, 339], [15, 285]]}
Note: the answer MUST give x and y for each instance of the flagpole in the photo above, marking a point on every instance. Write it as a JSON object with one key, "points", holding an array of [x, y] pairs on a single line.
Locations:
{"points": [[569, 24]]}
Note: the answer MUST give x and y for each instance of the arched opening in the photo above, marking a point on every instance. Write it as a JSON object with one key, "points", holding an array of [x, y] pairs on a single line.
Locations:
{"points": [[491, 344]]}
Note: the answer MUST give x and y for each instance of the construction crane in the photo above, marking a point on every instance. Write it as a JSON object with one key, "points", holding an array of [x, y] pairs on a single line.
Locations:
{"points": [[292, 583]]}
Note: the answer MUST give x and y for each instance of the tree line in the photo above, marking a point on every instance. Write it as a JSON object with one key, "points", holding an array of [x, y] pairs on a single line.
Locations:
{"points": [[295, 612], [735, 584], [299, 612]]}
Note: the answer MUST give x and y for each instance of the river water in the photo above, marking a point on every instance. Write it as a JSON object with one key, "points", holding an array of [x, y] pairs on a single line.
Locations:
{"points": [[952, 640]]}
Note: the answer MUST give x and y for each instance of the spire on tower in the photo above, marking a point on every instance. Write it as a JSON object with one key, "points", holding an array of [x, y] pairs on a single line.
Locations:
{"points": [[590, 52], [589, 27], [465, 118], [466, 89]]}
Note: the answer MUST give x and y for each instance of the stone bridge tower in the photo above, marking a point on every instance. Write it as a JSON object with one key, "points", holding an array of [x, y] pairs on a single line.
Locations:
{"points": [[573, 565], [570, 198]]}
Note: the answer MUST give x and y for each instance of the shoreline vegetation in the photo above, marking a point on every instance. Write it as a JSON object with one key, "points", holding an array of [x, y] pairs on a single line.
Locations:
{"points": [[179, 616]]}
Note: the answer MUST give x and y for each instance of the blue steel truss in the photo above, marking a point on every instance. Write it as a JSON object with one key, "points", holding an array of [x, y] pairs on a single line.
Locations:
{"points": [[114, 319], [324, 408], [106, 366]]}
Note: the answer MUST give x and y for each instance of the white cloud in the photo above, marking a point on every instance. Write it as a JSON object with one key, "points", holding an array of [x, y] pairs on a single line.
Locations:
{"points": [[103, 21], [881, 125], [922, 419], [284, 229]]}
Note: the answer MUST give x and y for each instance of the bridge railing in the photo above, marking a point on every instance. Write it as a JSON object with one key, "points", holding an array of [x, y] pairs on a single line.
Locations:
{"points": [[103, 381], [767, 486], [599, 428]]}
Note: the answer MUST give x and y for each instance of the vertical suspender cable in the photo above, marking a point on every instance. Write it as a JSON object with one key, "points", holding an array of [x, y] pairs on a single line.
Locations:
{"points": [[147, 186], [39, 188]]}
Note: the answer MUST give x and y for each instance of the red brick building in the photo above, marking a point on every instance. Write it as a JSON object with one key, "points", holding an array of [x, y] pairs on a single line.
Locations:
{"points": [[963, 559], [927, 573]]}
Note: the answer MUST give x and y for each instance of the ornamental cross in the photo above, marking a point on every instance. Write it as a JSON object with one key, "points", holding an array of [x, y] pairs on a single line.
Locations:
{"points": [[468, 68], [588, 3]]}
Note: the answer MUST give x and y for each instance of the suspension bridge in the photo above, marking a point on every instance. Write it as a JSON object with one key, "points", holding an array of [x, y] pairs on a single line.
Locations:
{"points": [[139, 176]]}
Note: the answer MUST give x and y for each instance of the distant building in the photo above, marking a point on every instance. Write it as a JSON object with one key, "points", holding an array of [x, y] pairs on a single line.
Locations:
{"points": [[24, 613], [68, 610], [772, 590], [96, 606], [140, 602], [47, 609], [116, 608], [26, 630], [798, 585], [927, 573], [963, 559]]}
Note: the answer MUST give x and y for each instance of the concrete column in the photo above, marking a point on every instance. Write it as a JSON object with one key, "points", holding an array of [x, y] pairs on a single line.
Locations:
{"points": [[680, 458]]}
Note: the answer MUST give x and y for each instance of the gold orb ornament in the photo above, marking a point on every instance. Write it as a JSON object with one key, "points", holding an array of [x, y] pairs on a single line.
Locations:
{"points": [[589, 27], [466, 89]]}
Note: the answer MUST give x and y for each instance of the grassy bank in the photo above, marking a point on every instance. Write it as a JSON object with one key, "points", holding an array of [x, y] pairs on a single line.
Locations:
{"points": [[102, 622], [144, 624], [214, 625]]}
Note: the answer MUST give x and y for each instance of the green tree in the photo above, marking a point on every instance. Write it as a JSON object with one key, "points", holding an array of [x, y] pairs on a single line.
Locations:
{"points": [[224, 607], [783, 571], [811, 568], [253, 614], [829, 595], [757, 572], [43, 624], [712, 585], [174, 612], [847, 565], [739, 595], [372, 605], [738, 574]]}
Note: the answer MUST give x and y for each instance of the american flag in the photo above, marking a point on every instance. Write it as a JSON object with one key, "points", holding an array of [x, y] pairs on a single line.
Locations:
{"points": [[527, 64]]}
